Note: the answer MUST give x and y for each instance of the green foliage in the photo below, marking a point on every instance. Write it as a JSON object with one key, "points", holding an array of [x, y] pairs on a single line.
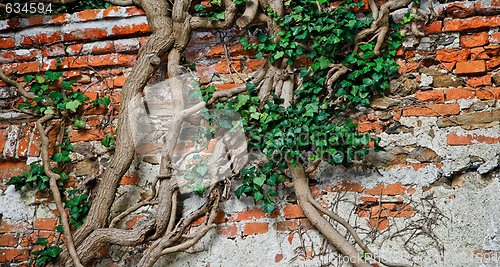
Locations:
{"points": [[215, 9], [47, 254], [36, 178], [78, 207], [315, 126], [108, 141], [54, 96]]}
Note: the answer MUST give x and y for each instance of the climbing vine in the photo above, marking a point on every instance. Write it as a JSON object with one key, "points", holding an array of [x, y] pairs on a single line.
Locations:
{"points": [[315, 127]]}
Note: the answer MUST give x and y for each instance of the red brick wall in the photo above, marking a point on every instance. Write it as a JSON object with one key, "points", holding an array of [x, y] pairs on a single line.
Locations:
{"points": [[97, 49]]}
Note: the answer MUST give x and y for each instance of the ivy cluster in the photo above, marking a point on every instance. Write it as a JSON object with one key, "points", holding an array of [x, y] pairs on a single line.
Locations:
{"points": [[56, 96], [315, 125]]}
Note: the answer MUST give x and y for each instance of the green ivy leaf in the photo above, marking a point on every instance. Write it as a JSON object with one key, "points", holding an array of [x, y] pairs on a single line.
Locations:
{"points": [[259, 180], [269, 207], [73, 105], [79, 123]]}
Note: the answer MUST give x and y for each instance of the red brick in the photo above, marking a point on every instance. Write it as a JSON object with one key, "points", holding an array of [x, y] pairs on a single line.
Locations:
{"points": [[119, 81], [8, 240], [379, 223], [474, 40], [488, 93], [59, 19], [470, 67], [480, 81], [7, 42], [215, 51], [220, 217], [432, 110], [493, 63], [130, 179], [85, 34], [432, 95], [87, 135], [134, 11], [230, 231], [24, 142], [364, 127], [390, 190], [293, 211], [11, 168], [479, 53], [110, 10], [460, 93], [252, 214], [3, 138], [45, 223], [471, 23], [454, 139], [495, 37], [130, 29], [223, 68], [460, 10], [405, 67], [13, 255], [292, 225], [88, 14], [255, 64], [434, 27], [44, 38], [452, 55], [21, 68], [256, 228]]}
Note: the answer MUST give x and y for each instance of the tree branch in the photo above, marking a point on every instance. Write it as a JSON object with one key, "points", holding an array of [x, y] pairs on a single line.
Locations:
{"points": [[55, 190]]}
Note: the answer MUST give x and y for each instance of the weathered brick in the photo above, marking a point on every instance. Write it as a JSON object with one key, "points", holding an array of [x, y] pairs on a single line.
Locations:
{"points": [[406, 67], [13, 255], [375, 126], [432, 95], [45, 223], [432, 110], [454, 139], [7, 42], [495, 38], [256, 228], [488, 93], [3, 139], [130, 29], [470, 67], [130, 179], [252, 214], [293, 211], [474, 40], [9, 240], [460, 9], [460, 93], [88, 135], [87, 14], [493, 63], [223, 67], [480, 81], [390, 190], [43, 38], [472, 23], [230, 231], [434, 27], [85, 34]]}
